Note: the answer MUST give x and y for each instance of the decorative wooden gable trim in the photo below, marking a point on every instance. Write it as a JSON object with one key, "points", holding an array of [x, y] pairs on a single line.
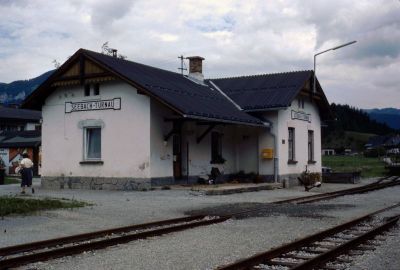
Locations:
{"points": [[307, 91], [83, 71]]}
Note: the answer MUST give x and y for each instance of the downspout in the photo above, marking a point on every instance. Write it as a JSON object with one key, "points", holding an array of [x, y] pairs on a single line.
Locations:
{"points": [[276, 158]]}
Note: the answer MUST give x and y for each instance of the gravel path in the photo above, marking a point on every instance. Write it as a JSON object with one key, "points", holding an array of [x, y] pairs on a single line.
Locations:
{"points": [[386, 256], [198, 248]]}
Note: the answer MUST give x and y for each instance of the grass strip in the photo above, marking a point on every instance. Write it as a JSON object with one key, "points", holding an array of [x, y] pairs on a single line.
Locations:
{"points": [[11, 180], [369, 167], [10, 205]]}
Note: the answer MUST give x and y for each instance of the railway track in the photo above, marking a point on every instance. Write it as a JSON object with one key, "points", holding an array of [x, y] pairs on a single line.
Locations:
{"points": [[23, 254], [383, 182], [324, 250], [14, 256]]}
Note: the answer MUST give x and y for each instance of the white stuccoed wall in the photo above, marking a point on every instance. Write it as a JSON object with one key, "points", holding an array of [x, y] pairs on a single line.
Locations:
{"points": [[200, 153], [247, 148], [301, 137], [125, 136], [160, 153], [133, 139], [281, 120]]}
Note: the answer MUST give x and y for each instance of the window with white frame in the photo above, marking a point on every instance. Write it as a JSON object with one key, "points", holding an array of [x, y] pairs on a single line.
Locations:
{"points": [[291, 145], [310, 146], [92, 143]]}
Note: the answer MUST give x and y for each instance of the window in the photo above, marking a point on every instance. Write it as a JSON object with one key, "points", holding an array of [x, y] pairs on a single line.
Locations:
{"points": [[291, 145], [92, 143], [310, 146], [301, 103], [96, 89], [216, 148], [87, 90]]}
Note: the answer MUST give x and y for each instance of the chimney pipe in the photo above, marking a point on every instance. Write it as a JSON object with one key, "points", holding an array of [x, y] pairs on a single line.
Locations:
{"points": [[196, 67], [114, 52]]}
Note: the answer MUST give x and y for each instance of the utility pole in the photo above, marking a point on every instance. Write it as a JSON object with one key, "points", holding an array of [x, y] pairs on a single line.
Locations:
{"points": [[182, 64]]}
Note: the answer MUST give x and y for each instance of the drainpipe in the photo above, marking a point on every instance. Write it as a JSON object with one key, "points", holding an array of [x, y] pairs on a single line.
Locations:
{"points": [[276, 158]]}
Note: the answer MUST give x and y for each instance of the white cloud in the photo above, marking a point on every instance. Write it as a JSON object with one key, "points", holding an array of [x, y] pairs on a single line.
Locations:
{"points": [[236, 38]]}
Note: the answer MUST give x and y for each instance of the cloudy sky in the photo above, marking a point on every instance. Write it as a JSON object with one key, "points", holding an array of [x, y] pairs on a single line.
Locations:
{"points": [[235, 37]]}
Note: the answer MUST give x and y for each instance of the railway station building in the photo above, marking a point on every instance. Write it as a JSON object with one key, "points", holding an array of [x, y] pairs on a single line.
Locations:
{"points": [[110, 123]]}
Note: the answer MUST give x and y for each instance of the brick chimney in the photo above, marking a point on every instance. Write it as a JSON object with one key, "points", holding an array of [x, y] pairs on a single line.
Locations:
{"points": [[196, 67]]}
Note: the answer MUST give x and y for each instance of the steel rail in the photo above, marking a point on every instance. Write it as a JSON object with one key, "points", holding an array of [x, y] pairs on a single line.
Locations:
{"points": [[6, 251], [360, 190], [259, 258], [325, 194], [345, 247], [334, 194], [329, 195], [71, 250], [91, 235]]}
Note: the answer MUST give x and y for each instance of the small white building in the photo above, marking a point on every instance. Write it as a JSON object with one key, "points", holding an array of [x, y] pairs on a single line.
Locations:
{"points": [[110, 123], [328, 152]]}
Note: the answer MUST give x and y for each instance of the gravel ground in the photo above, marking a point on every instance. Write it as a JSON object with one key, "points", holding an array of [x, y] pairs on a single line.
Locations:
{"points": [[198, 248], [386, 256]]}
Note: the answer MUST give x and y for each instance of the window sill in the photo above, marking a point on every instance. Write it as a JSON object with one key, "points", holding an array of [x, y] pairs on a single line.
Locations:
{"points": [[311, 162], [91, 162], [292, 162]]}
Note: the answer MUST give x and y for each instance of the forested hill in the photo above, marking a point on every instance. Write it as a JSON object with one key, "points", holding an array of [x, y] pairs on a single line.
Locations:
{"points": [[15, 92], [389, 116], [353, 119], [351, 129]]}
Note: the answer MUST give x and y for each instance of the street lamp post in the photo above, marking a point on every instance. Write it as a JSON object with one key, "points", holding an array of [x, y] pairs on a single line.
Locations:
{"points": [[315, 58]]}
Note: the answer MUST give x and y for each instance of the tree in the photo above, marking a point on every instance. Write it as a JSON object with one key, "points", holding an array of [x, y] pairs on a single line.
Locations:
{"points": [[56, 63], [105, 49]]}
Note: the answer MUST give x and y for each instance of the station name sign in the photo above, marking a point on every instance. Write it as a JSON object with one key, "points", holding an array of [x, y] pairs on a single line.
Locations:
{"points": [[109, 104], [301, 116]]}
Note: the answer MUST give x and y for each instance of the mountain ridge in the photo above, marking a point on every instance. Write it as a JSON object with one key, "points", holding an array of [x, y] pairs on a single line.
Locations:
{"points": [[16, 91], [389, 116]]}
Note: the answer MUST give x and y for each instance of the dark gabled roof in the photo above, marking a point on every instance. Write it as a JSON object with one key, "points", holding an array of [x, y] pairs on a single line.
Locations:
{"points": [[28, 138], [190, 99], [264, 91], [20, 114]]}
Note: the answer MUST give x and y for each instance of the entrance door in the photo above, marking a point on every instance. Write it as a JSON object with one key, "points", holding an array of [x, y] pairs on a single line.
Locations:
{"points": [[177, 155]]}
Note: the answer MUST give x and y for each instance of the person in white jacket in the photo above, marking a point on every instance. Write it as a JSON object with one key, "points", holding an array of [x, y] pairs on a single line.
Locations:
{"points": [[26, 171]]}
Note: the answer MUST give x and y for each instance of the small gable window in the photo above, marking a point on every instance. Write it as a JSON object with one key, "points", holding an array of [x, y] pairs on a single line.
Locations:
{"points": [[95, 87], [87, 90]]}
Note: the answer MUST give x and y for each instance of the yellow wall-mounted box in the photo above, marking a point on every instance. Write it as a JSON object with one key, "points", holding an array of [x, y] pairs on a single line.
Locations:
{"points": [[267, 153]]}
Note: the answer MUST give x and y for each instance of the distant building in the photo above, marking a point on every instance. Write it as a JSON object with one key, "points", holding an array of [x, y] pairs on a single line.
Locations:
{"points": [[387, 141], [19, 133], [328, 152], [13, 119], [110, 123], [15, 143]]}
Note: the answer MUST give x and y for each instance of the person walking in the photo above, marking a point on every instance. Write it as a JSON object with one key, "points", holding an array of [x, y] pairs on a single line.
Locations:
{"points": [[26, 170]]}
